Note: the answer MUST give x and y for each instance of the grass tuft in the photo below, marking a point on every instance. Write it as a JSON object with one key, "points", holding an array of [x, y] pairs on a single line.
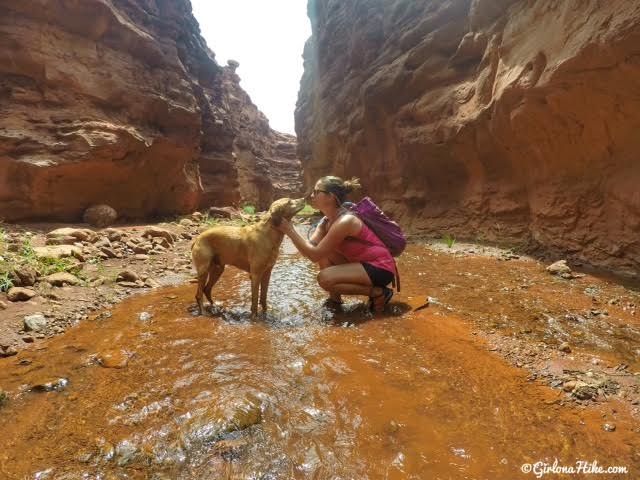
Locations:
{"points": [[449, 240], [249, 209]]}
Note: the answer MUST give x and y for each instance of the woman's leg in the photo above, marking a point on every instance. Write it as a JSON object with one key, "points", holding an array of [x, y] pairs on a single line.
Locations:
{"points": [[347, 279], [334, 259]]}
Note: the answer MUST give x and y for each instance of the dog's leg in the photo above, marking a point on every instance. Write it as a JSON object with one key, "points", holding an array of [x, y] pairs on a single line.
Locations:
{"points": [[255, 287], [214, 275], [264, 287], [202, 259], [202, 279]]}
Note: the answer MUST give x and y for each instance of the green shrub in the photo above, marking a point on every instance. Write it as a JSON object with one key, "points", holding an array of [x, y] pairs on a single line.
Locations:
{"points": [[27, 252], [449, 240], [6, 282], [249, 209]]}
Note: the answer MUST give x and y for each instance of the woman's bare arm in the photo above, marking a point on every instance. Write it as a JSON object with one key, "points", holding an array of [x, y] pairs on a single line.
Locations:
{"points": [[345, 226], [319, 232]]}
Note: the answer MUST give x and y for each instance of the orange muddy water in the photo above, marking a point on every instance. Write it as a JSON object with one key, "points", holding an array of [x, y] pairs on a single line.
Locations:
{"points": [[150, 391]]}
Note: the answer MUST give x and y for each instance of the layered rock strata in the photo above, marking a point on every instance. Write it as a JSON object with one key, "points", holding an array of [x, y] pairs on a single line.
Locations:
{"points": [[121, 102], [513, 121]]}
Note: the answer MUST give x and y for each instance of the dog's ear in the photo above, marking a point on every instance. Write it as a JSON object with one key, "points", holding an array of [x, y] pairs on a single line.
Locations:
{"points": [[276, 218]]}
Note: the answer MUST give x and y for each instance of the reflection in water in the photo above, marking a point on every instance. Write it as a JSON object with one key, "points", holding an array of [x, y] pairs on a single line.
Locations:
{"points": [[303, 393]]}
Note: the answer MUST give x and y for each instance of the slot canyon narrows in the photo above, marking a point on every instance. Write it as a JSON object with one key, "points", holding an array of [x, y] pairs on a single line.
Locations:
{"points": [[501, 136]]}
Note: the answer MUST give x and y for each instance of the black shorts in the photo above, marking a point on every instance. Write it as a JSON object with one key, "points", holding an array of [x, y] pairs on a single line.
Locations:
{"points": [[379, 276]]}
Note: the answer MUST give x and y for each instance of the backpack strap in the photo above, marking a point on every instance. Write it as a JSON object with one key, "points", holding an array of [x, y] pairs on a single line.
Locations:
{"points": [[396, 280]]}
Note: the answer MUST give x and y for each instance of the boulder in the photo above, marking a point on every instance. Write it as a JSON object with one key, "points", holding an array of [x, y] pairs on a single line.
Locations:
{"points": [[19, 294], [69, 236], [57, 251], [25, 275], [127, 276], [559, 268], [61, 279], [35, 323], [100, 215]]}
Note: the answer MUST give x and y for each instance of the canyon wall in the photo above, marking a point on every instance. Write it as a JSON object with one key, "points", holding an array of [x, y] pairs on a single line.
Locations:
{"points": [[122, 102], [513, 120]]}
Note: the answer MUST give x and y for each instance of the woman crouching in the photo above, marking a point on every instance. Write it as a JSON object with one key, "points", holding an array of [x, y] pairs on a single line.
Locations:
{"points": [[352, 259]]}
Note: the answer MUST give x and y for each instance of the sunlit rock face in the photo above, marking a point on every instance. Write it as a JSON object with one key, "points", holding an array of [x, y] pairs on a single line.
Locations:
{"points": [[122, 103], [509, 120]]}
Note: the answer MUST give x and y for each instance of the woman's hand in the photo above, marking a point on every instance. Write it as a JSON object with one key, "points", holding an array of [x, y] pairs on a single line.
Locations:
{"points": [[285, 226]]}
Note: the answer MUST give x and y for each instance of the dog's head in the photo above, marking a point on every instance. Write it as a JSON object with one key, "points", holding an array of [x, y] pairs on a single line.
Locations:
{"points": [[285, 208]]}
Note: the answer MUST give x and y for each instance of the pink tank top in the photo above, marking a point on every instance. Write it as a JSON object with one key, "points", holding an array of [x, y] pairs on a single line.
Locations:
{"points": [[367, 247]]}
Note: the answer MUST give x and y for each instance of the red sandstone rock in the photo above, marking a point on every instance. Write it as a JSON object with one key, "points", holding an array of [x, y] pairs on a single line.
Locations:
{"points": [[514, 120], [100, 216], [122, 103]]}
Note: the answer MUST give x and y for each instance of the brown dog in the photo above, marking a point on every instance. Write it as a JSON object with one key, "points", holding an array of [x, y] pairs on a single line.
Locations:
{"points": [[253, 248]]}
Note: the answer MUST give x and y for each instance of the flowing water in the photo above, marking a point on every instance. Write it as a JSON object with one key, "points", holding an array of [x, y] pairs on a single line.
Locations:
{"points": [[149, 390]]}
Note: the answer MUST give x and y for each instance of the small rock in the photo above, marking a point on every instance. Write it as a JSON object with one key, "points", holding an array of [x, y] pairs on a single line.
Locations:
{"points": [[35, 322], [108, 252], [144, 316], [19, 294], [127, 276], [158, 232], [127, 284], [113, 359], [151, 283], [569, 386], [26, 275], [3, 305], [559, 268], [102, 242], [185, 222], [113, 234], [100, 215], [609, 427], [565, 347], [142, 249], [50, 385], [161, 241], [28, 339], [68, 235], [582, 391], [57, 251], [223, 212], [80, 256], [4, 398], [60, 279], [141, 256], [9, 351]]}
